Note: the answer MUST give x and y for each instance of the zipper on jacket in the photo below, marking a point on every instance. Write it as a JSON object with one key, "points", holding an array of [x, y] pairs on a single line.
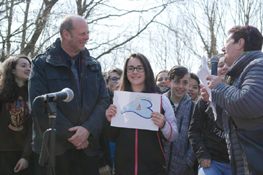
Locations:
{"points": [[77, 97], [180, 126], [76, 90], [136, 151], [170, 156]]}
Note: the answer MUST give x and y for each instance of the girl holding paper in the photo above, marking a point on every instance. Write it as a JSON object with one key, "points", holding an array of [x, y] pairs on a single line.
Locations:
{"points": [[141, 151]]}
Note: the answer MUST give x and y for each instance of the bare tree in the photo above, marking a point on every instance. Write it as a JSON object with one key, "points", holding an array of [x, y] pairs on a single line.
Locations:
{"points": [[199, 27], [167, 47], [16, 35], [169, 32], [24, 27], [260, 16], [246, 12], [208, 24], [32, 34], [40, 24], [6, 16]]}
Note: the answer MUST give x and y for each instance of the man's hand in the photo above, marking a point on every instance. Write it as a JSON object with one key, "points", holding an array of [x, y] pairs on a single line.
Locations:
{"points": [[213, 80], [204, 93], [206, 163], [80, 137], [84, 145], [21, 164]]}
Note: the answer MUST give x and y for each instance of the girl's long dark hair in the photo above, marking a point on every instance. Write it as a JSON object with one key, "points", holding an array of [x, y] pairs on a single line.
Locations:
{"points": [[149, 82], [8, 84]]}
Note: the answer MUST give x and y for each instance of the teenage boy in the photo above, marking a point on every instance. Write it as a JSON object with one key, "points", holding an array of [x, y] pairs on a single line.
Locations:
{"points": [[194, 88], [179, 154], [112, 81]]}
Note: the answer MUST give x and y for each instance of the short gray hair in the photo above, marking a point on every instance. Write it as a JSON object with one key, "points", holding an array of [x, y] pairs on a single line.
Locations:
{"points": [[67, 24]]}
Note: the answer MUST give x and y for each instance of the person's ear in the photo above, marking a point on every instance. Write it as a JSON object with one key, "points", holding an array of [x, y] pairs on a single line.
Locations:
{"points": [[66, 34], [241, 43], [168, 83], [106, 83], [13, 71]]}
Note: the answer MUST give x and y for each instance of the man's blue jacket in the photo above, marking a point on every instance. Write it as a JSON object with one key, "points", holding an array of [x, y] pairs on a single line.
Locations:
{"points": [[49, 74]]}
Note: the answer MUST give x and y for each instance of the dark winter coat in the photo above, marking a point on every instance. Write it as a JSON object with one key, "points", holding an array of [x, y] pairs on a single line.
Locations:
{"points": [[206, 137], [49, 73]]}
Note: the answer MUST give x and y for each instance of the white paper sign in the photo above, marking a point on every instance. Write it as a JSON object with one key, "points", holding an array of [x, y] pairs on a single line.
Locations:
{"points": [[134, 110], [202, 74]]}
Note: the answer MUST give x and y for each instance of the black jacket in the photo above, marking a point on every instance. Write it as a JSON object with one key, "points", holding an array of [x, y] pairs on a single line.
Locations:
{"points": [[206, 138], [150, 159]]}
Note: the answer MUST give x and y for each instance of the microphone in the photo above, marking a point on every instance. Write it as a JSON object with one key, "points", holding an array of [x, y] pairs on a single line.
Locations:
{"points": [[214, 61], [65, 94]]}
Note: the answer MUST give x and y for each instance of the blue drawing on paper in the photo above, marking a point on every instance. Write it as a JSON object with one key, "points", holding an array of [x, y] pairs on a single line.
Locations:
{"points": [[141, 107]]}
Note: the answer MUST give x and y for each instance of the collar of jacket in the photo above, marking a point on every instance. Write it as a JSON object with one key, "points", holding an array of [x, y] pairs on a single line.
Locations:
{"points": [[242, 61], [55, 59], [184, 100]]}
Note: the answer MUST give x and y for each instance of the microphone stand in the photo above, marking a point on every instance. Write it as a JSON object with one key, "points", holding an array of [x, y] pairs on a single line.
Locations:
{"points": [[49, 139]]}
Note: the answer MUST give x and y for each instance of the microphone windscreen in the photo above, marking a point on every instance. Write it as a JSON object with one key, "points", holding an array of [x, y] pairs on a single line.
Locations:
{"points": [[70, 94], [214, 59]]}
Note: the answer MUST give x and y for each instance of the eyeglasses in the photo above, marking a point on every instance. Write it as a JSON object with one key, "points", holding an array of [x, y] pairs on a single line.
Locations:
{"points": [[140, 69], [114, 79]]}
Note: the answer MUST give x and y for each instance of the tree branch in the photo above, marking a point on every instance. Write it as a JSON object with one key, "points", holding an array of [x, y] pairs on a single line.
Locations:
{"points": [[132, 37]]}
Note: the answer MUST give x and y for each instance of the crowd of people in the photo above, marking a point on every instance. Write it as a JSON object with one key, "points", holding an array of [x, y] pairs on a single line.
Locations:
{"points": [[190, 139]]}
